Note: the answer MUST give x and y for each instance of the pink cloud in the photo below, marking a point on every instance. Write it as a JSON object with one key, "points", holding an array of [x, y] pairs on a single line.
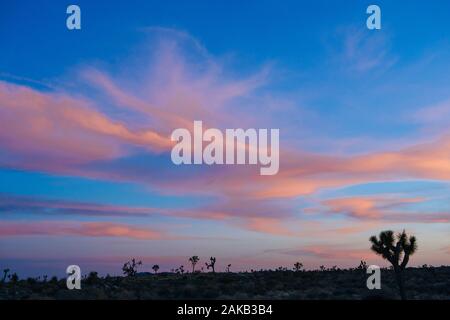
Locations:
{"points": [[67, 133], [274, 226], [84, 229], [64, 130], [367, 207], [329, 252], [383, 208]]}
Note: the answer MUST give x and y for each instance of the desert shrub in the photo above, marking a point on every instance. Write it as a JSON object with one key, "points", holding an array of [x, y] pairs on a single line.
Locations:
{"points": [[14, 278], [130, 267], [92, 278], [298, 266]]}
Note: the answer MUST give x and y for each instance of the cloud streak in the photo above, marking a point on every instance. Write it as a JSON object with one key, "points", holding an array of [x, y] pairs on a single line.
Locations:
{"points": [[84, 229]]}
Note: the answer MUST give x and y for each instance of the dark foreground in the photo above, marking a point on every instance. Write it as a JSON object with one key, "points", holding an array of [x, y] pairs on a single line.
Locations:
{"points": [[421, 283]]}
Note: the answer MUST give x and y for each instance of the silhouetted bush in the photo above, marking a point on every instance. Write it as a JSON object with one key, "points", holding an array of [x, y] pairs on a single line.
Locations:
{"points": [[130, 267]]}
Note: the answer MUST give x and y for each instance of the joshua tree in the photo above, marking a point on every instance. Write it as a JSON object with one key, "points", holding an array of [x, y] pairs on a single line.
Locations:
{"points": [[211, 264], [193, 260], [14, 278], [155, 268], [5, 274], [362, 266], [179, 270], [130, 268], [298, 266], [228, 267], [92, 278], [403, 248]]}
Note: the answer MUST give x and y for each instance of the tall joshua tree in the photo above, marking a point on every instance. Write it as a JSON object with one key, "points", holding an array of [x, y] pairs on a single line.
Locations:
{"points": [[155, 268], [5, 274], [397, 253], [193, 260], [212, 264], [298, 266]]}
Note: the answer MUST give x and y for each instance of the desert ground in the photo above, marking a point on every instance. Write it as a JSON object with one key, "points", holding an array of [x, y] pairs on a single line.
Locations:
{"points": [[420, 283]]}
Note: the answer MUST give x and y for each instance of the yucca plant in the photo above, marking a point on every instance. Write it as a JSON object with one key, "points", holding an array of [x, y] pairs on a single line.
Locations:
{"points": [[193, 260], [298, 266], [5, 274], [212, 264], [397, 253]]}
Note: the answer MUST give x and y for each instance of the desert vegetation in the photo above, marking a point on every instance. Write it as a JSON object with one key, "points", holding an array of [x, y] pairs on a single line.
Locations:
{"points": [[398, 281], [130, 267], [193, 260]]}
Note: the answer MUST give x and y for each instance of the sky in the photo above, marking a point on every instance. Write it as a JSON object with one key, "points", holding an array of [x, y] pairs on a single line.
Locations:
{"points": [[86, 115]]}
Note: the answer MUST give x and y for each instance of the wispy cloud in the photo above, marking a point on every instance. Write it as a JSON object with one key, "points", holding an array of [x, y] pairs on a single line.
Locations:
{"points": [[327, 252], [84, 229], [384, 208], [361, 51]]}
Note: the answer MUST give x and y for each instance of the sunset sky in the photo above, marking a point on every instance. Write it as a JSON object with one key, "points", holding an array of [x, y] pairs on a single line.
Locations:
{"points": [[86, 115]]}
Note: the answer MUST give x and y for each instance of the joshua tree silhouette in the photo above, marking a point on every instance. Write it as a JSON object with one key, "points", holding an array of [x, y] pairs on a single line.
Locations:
{"points": [[211, 264], [14, 278], [155, 268], [298, 266], [5, 274], [193, 260], [228, 267], [92, 277], [130, 267], [362, 266], [404, 247]]}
